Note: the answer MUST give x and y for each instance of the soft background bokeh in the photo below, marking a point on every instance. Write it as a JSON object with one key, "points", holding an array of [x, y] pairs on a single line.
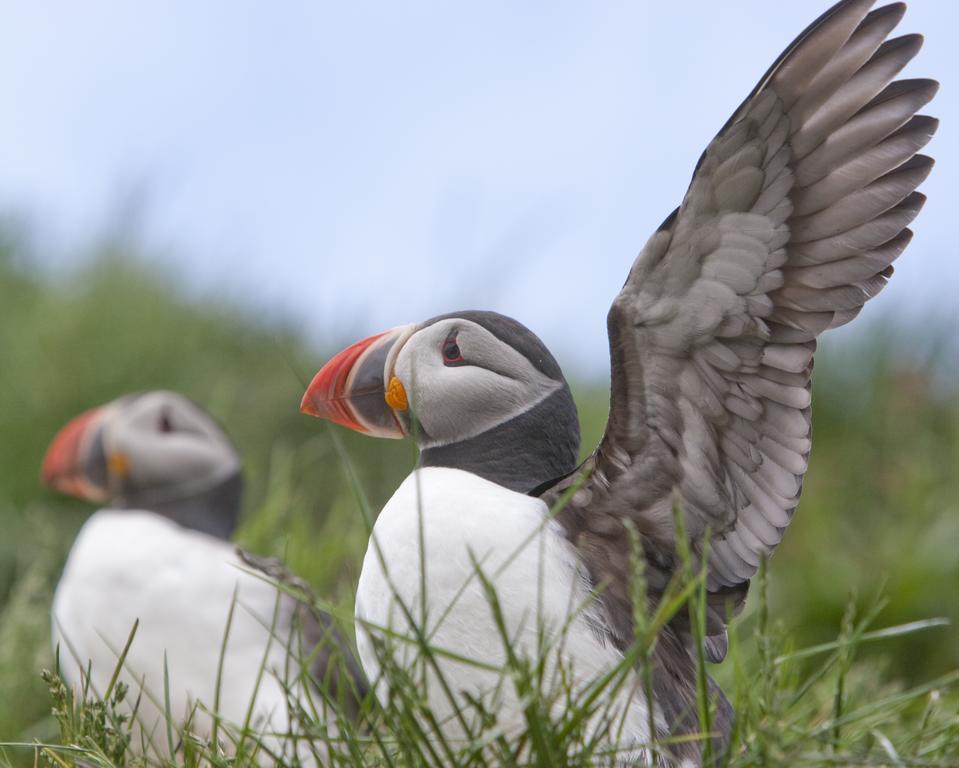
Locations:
{"points": [[214, 197], [359, 165]]}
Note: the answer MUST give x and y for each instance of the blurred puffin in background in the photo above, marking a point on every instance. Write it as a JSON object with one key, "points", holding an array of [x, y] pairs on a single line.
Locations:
{"points": [[159, 553], [794, 216]]}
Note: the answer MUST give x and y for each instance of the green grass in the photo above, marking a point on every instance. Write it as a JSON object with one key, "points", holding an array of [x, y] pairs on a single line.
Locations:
{"points": [[818, 706], [879, 516]]}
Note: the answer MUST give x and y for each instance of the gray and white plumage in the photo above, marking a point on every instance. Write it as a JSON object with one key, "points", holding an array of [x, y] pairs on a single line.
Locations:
{"points": [[160, 556], [794, 216]]}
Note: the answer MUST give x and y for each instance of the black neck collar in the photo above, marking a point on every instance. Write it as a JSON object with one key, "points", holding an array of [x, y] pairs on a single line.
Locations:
{"points": [[215, 512], [522, 453]]}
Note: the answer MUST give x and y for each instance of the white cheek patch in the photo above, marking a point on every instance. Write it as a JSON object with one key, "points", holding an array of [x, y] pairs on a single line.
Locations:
{"points": [[191, 459], [455, 403]]}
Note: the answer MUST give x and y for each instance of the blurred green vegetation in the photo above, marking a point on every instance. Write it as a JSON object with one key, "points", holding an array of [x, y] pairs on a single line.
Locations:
{"points": [[879, 510]]}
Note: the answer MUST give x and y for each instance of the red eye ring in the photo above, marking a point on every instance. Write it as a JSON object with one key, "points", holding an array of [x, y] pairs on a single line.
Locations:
{"points": [[451, 352]]}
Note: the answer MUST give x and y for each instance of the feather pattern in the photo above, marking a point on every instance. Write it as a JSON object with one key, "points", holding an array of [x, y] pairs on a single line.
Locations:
{"points": [[792, 220]]}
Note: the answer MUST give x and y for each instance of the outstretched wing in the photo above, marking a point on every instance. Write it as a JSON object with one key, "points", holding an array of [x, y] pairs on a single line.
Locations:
{"points": [[795, 213]]}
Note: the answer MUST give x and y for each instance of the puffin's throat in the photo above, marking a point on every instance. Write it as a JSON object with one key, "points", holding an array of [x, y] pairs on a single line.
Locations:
{"points": [[522, 453]]}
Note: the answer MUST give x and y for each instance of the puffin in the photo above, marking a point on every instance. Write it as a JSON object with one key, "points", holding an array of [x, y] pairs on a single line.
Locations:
{"points": [[153, 579], [500, 541]]}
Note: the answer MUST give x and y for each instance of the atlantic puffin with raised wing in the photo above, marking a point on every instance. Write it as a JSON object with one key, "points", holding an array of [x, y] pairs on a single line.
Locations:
{"points": [[159, 554], [794, 216]]}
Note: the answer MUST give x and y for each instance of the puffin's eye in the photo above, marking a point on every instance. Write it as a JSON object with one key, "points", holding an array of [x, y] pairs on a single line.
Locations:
{"points": [[164, 424], [451, 352]]}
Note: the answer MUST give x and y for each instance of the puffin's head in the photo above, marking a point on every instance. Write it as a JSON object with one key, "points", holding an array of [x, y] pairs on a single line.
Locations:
{"points": [[157, 451], [478, 390]]}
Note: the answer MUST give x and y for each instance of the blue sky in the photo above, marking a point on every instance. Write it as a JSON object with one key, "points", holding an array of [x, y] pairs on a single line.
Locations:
{"points": [[354, 166]]}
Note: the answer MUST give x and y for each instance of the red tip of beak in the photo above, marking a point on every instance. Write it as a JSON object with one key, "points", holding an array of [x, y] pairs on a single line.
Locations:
{"points": [[62, 466], [328, 395]]}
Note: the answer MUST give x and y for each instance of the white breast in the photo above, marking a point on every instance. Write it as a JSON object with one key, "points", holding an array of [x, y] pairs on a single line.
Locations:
{"points": [[180, 584], [464, 521]]}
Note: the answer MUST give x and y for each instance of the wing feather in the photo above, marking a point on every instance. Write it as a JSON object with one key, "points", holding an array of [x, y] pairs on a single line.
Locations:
{"points": [[792, 221]]}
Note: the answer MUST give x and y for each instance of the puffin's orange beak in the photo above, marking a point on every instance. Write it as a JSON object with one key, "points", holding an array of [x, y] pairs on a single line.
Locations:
{"points": [[356, 388], [65, 463]]}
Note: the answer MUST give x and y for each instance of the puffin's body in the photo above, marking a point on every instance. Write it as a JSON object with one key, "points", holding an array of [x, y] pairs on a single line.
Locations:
{"points": [[160, 560], [474, 504], [130, 566], [472, 526], [795, 213]]}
